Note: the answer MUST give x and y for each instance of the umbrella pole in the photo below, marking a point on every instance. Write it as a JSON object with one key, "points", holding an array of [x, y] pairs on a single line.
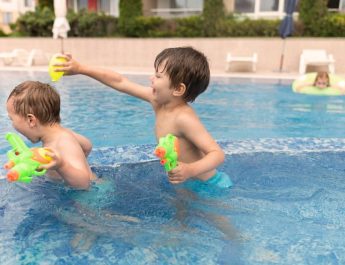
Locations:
{"points": [[282, 57], [62, 50]]}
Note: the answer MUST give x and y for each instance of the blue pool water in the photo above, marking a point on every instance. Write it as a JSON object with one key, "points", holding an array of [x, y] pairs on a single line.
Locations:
{"points": [[284, 152]]}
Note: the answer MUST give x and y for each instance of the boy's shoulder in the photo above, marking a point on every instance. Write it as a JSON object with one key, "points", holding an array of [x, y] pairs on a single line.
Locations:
{"points": [[63, 136], [186, 115]]}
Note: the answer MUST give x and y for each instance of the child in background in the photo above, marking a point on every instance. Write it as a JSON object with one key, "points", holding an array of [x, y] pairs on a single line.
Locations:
{"points": [[34, 109], [322, 81], [181, 74]]}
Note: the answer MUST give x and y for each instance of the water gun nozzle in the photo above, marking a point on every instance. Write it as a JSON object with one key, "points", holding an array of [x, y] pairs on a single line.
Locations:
{"points": [[12, 176]]}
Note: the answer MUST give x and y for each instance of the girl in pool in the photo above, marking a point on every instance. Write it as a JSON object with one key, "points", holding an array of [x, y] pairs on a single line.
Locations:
{"points": [[321, 81]]}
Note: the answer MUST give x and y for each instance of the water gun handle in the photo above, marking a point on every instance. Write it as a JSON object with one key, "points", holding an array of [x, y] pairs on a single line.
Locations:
{"points": [[167, 150], [24, 172]]}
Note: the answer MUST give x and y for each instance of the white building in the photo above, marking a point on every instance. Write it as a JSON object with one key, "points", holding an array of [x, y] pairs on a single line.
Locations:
{"points": [[177, 8], [11, 9]]}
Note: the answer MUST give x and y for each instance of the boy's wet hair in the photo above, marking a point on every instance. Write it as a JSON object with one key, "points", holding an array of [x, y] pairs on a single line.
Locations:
{"points": [[185, 65], [39, 99]]}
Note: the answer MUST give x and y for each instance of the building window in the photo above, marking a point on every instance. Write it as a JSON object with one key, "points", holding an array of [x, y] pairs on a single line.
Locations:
{"points": [[114, 8], [336, 5], [333, 4], [269, 5], [82, 4], [104, 6], [186, 4], [7, 18], [245, 6], [28, 3], [262, 8]]}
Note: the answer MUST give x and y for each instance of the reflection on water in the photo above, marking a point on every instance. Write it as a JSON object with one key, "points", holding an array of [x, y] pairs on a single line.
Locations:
{"points": [[306, 107]]}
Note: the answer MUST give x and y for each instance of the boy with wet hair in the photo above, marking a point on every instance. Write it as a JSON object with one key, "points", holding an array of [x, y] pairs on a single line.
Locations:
{"points": [[34, 109], [181, 74]]}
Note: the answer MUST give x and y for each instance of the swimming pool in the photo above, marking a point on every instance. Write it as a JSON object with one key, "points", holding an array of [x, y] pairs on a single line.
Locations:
{"points": [[284, 152]]}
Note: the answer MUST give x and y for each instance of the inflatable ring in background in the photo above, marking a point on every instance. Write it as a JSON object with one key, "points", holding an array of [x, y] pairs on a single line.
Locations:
{"points": [[333, 90]]}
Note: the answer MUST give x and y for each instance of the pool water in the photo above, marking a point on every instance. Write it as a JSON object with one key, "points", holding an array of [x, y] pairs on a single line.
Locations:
{"points": [[284, 152]]}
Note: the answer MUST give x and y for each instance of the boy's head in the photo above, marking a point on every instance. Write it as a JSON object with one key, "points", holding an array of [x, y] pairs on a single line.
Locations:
{"points": [[322, 80], [37, 99], [185, 65]]}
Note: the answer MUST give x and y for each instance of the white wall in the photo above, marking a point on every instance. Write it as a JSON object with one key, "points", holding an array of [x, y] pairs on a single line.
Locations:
{"points": [[140, 53]]}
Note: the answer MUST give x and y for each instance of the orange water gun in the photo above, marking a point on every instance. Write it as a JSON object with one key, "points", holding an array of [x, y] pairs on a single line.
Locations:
{"points": [[24, 162], [168, 150]]}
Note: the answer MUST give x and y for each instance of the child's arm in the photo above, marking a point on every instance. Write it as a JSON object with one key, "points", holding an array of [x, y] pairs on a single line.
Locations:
{"points": [[84, 142], [302, 85], [69, 161], [107, 77], [193, 130]]}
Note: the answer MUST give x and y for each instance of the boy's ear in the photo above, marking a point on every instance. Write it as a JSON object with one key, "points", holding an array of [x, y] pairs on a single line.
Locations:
{"points": [[179, 90], [31, 120]]}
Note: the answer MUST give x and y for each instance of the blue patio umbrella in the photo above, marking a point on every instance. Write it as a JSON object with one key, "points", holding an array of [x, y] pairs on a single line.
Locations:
{"points": [[286, 27]]}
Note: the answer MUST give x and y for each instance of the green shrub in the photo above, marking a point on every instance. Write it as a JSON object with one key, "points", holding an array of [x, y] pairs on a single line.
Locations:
{"points": [[189, 27], [91, 24], [251, 28], [213, 18], [143, 26], [129, 11], [46, 3], [311, 14], [2, 34], [333, 25], [35, 24]]}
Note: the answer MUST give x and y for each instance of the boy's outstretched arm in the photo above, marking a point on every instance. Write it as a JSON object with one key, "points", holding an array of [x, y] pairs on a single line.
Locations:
{"points": [[107, 77]]}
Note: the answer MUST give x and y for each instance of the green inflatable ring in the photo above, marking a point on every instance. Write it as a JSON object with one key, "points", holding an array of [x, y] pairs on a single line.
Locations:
{"points": [[333, 90]]}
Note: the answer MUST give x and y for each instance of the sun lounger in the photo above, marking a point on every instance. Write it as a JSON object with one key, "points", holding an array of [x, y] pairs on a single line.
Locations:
{"points": [[316, 57], [22, 57], [230, 59]]}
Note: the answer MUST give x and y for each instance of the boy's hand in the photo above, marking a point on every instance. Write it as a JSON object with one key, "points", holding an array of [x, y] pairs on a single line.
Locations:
{"points": [[55, 162], [70, 67], [180, 173]]}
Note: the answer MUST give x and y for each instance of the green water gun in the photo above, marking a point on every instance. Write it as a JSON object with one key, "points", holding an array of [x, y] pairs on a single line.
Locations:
{"points": [[24, 162], [167, 150]]}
